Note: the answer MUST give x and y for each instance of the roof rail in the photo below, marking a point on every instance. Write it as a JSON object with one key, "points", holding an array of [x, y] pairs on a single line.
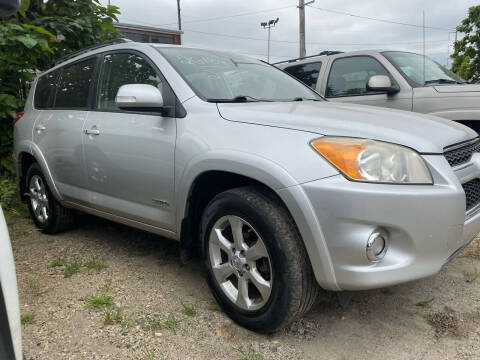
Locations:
{"points": [[323, 53], [119, 40]]}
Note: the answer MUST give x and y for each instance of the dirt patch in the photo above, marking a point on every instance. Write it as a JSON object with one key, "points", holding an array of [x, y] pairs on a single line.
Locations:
{"points": [[129, 297]]}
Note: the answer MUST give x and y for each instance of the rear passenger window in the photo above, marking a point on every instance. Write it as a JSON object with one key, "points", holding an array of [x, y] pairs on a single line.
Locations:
{"points": [[349, 76], [122, 69], [74, 85], [44, 90], [306, 73]]}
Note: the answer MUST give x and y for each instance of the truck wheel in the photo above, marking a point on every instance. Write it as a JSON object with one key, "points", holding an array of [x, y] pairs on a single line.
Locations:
{"points": [[45, 210], [257, 266]]}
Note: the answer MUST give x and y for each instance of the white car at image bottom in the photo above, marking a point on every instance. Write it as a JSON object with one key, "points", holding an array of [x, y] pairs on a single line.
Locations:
{"points": [[10, 329], [280, 192]]}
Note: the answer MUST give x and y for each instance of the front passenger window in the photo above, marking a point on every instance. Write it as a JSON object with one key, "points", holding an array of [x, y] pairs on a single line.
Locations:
{"points": [[306, 73], [349, 76], [122, 69]]}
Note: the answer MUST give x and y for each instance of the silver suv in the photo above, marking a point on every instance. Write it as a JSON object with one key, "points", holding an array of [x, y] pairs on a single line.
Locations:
{"points": [[280, 192], [393, 79]]}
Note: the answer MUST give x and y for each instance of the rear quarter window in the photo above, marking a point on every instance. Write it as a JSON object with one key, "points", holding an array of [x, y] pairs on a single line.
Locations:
{"points": [[44, 90], [306, 73]]}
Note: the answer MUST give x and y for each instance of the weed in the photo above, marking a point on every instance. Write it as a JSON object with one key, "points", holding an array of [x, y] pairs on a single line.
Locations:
{"points": [[471, 277], [189, 310], [100, 301], [94, 263], [426, 304], [128, 323], [9, 198], [171, 323], [113, 316], [56, 263], [148, 354], [249, 354], [71, 268], [33, 286], [153, 324], [26, 319]]}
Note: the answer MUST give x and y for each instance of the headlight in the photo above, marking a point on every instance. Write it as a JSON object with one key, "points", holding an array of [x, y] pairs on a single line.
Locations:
{"points": [[373, 161]]}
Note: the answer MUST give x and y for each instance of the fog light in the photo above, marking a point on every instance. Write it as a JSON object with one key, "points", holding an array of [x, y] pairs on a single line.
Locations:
{"points": [[376, 246]]}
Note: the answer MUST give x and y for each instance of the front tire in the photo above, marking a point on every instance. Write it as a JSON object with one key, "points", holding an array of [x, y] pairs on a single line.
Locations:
{"points": [[46, 212], [257, 266]]}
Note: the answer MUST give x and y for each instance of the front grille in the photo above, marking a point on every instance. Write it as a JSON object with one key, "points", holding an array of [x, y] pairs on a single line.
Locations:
{"points": [[472, 193], [462, 154]]}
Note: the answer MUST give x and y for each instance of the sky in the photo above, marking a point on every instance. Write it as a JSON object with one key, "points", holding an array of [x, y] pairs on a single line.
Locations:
{"points": [[325, 30]]}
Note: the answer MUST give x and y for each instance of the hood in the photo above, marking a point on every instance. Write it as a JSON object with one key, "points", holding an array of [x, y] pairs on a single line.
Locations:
{"points": [[457, 88], [424, 133]]}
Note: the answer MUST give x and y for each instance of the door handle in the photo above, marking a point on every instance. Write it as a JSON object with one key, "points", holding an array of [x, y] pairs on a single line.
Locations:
{"points": [[92, 131], [40, 128]]}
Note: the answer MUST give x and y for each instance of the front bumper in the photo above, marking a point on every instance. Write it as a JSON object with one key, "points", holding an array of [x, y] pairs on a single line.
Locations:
{"points": [[426, 225]]}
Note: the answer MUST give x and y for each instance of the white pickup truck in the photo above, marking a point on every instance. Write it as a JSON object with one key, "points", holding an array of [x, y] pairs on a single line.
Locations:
{"points": [[393, 79]]}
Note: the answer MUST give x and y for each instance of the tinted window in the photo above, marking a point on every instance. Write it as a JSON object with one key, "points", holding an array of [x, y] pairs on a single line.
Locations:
{"points": [[74, 85], [122, 69], [349, 76], [162, 39], [306, 73], [44, 90]]}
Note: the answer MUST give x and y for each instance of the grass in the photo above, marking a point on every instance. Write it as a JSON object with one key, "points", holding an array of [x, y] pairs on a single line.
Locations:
{"points": [[34, 287], [56, 263], [426, 304], [26, 319], [189, 310], [113, 316], [170, 324], [101, 301], [93, 263], [471, 277], [249, 354], [71, 268], [10, 199]]}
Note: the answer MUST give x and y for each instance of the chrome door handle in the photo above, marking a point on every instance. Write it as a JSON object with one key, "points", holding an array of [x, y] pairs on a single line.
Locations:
{"points": [[40, 128], [92, 131]]}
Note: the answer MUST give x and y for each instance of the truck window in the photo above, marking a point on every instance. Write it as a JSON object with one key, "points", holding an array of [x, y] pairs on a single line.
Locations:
{"points": [[349, 76], [306, 73]]}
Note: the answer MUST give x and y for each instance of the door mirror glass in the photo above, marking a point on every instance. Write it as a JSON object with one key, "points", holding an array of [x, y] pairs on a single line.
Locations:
{"points": [[139, 97], [381, 83]]}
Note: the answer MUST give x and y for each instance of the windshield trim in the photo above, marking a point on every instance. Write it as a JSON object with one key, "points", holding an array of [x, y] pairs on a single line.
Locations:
{"points": [[206, 99], [410, 81]]}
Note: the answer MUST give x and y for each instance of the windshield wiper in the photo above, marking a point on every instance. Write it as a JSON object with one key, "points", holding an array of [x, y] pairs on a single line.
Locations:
{"points": [[304, 99], [237, 99], [441, 81]]}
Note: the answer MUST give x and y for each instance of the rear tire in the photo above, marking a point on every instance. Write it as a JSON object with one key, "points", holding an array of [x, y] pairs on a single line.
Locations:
{"points": [[46, 212], [260, 216]]}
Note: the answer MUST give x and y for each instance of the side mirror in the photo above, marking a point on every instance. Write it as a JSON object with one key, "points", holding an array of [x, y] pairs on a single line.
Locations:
{"points": [[382, 83], [141, 97]]}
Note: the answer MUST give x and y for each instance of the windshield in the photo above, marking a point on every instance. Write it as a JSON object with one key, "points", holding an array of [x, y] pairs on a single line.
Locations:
{"points": [[411, 66], [224, 77]]}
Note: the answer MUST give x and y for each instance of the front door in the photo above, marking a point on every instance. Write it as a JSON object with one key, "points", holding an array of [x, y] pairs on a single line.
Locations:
{"points": [[130, 155], [347, 82]]}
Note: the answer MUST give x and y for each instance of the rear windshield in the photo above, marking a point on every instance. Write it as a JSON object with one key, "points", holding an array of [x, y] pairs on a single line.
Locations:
{"points": [[221, 76]]}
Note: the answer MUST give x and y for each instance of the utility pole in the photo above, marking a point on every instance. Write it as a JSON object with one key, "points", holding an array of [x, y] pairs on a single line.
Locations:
{"points": [[301, 12], [268, 25], [179, 18], [424, 59]]}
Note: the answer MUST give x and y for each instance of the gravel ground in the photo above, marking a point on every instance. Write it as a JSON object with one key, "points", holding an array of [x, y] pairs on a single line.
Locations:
{"points": [[157, 308]]}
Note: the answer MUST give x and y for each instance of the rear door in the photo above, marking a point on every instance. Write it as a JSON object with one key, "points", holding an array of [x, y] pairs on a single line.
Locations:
{"points": [[347, 79], [58, 128], [129, 155]]}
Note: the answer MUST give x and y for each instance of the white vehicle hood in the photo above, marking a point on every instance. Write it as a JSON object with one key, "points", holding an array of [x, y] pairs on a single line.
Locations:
{"points": [[424, 133], [8, 282]]}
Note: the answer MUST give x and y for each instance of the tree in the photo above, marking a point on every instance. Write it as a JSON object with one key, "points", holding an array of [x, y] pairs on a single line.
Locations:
{"points": [[466, 57], [41, 32]]}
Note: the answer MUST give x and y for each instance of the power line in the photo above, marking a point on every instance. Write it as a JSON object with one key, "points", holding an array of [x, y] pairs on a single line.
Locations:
{"points": [[232, 16], [378, 19]]}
